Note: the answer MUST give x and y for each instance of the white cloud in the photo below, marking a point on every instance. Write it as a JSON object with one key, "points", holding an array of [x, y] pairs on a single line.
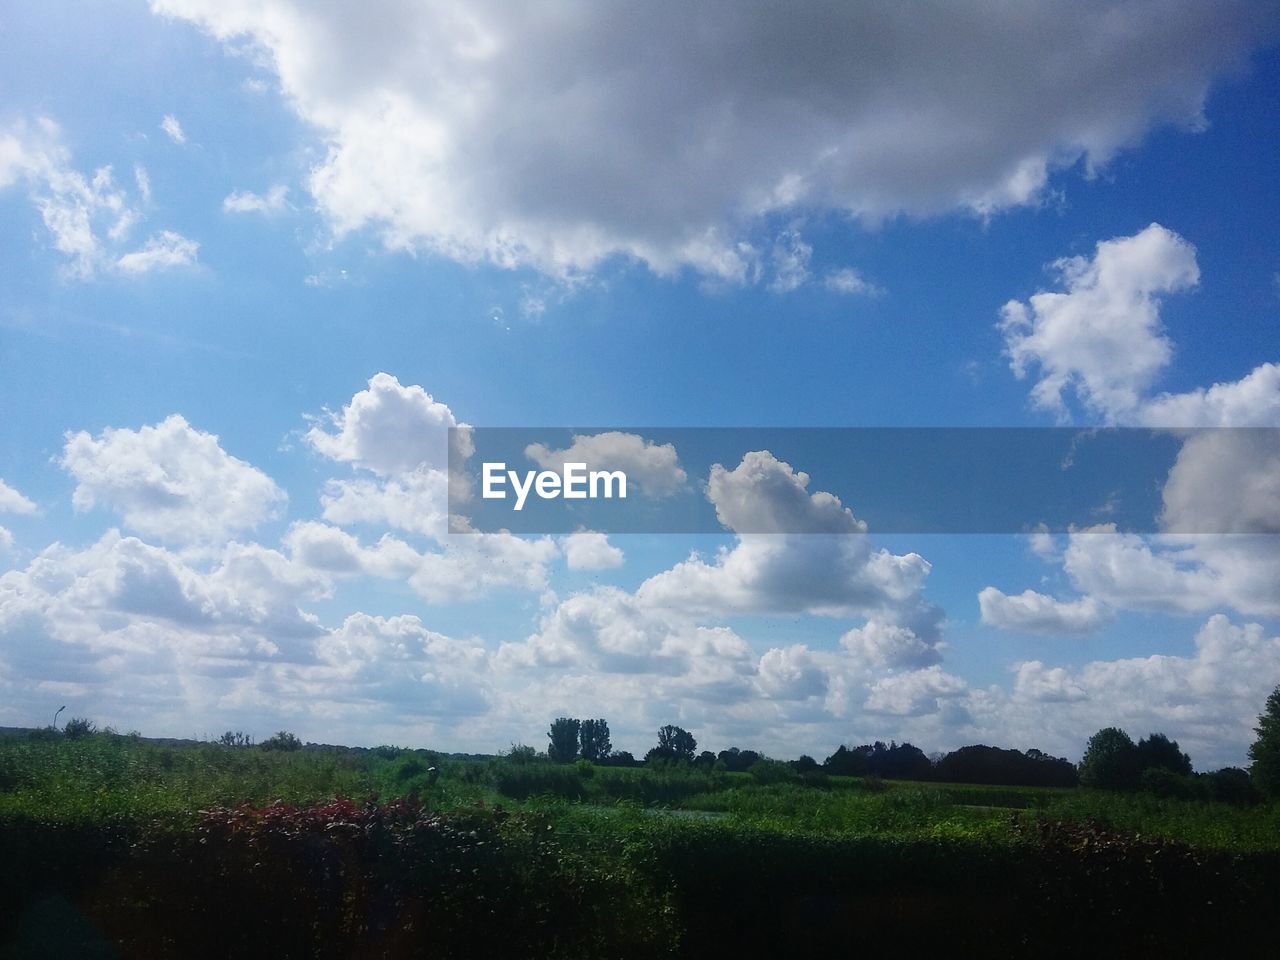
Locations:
{"points": [[560, 136], [762, 494], [915, 692], [877, 644], [391, 430], [1225, 481], [273, 201], [1102, 338], [416, 502], [1176, 574], [1207, 701], [1032, 612], [173, 129], [161, 252], [88, 217], [472, 565], [1252, 401], [588, 550], [6, 540], [653, 468], [11, 501], [850, 281], [170, 481], [791, 257]]}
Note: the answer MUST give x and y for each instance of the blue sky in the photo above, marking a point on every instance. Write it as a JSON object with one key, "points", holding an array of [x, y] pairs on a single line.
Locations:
{"points": [[320, 238]]}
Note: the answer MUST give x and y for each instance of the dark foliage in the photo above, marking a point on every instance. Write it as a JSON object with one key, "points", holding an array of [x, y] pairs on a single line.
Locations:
{"points": [[594, 739], [78, 727], [1158, 752], [283, 740], [563, 735], [993, 765], [894, 762], [1110, 761], [1264, 753]]}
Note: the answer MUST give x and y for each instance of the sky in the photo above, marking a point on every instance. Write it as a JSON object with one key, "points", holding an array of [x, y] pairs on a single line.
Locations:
{"points": [[257, 259]]}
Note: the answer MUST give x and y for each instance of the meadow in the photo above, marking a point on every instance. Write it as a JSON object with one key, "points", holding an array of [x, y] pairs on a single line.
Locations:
{"points": [[133, 847]]}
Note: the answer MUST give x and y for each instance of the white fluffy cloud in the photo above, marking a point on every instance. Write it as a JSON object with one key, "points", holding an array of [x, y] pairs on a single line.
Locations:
{"points": [[588, 550], [170, 481], [88, 218], [390, 429], [1032, 612], [1102, 340], [1102, 337], [762, 494], [1207, 701], [1225, 481], [560, 136], [653, 467], [11, 501]]}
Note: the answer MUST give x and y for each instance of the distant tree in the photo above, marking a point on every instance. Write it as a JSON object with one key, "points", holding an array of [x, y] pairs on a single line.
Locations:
{"points": [[982, 764], [736, 760], [1264, 753], [619, 758], [765, 771], [564, 739], [78, 727], [1110, 761], [594, 738], [235, 738], [1159, 752], [1232, 785], [677, 743], [805, 764], [282, 740], [846, 762], [705, 760], [521, 753]]}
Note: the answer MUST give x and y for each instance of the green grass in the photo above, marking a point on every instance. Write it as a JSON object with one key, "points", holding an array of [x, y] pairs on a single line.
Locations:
{"points": [[113, 778]]}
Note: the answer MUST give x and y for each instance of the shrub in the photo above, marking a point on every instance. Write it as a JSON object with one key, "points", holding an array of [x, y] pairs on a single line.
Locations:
{"points": [[283, 740], [79, 727]]}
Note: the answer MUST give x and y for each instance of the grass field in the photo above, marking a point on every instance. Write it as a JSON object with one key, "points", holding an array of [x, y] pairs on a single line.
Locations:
{"points": [[580, 860]]}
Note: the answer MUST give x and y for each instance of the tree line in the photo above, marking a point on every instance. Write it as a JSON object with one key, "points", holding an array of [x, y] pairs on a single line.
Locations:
{"points": [[1112, 760]]}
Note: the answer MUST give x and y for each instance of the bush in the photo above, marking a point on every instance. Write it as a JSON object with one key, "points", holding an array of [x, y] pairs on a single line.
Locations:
{"points": [[283, 740], [79, 727], [520, 781]]}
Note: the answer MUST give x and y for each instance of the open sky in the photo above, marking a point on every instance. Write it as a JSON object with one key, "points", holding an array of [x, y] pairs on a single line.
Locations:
{"points": [[257, 257]]}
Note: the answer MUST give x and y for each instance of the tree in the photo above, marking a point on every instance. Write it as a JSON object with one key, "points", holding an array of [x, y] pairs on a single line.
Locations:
{"points": [[235, 738], [564, 739], [594, 737], [1110, 760], [1158, 751], [78, 727], [676, 743], [1264, 753], [283, 740]]}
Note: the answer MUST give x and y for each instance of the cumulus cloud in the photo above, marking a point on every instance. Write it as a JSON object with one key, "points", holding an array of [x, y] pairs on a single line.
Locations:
{"points": [[88, 217], [170, 481], [914, 692], [654, 468], [588, 550], [1032, 612], [559, 137], [1176, 574], [244, 201], [1102, 337], [762, 494], [1207, 701], [11, 501], [1224, 481], [892, 645], [391, 430]]}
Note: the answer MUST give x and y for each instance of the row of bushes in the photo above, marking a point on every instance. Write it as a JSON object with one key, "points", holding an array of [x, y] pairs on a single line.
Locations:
{"points": [[360, 879]]}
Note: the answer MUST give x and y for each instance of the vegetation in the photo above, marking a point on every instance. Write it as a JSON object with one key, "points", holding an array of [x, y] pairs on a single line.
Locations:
{"points": [[1265, 751], [330, 851]]}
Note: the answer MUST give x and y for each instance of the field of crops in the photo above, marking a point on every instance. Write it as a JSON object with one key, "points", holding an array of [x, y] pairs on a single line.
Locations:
{"points": [[202, 849]]}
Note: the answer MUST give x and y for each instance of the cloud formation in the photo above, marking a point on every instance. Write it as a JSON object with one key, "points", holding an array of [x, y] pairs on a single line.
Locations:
{"points": [[558, 137]]}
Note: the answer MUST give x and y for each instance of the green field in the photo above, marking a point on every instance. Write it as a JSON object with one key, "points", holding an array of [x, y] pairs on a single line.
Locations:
{"points": [[201, 849]]}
